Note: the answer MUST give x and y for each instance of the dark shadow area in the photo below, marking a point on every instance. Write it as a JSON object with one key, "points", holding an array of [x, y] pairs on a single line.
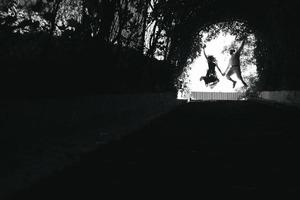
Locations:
{"points": [[61, 59], [98, 46], [78, 68], [213, 148]]}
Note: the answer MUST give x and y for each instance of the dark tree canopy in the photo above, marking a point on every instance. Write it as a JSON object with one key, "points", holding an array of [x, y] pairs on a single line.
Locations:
{"points": [[164, 29]]}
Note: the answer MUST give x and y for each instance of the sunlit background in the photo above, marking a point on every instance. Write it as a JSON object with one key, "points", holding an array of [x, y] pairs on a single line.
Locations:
{"points": [[218, 48]]}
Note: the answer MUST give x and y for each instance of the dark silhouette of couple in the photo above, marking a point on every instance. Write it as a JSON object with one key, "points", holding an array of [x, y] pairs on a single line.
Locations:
{"points": [[233, 67]]}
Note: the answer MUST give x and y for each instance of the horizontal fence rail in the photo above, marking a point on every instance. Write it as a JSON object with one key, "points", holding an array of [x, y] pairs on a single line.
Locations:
{"points": [[212, 96]]}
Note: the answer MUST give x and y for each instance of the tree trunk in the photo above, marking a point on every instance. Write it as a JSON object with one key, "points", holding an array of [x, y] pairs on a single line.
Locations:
{"points": [[122, 21], [166, 53], [107, 13], [144, 29], [154, 39], [56, 7]]}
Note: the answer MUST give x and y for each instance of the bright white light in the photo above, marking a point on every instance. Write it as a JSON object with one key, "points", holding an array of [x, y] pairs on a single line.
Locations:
{"points": [[199, 67]]}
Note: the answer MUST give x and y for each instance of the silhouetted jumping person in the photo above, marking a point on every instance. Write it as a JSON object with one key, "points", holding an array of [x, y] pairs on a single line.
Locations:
{"points": [[211, 77], [234, 65]]}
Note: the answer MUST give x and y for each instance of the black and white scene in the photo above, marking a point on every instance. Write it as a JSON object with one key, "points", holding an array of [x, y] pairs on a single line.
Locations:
{"points": [[119, 99]]}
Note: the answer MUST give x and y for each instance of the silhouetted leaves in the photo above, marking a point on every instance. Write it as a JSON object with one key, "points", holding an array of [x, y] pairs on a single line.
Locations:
{"points": [[165, 29]]}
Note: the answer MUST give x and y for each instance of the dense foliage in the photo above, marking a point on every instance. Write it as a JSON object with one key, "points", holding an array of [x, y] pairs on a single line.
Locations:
{"points": [[60, 32]]}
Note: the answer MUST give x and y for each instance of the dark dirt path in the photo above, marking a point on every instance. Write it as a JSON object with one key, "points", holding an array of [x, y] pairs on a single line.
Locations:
{"points": [[215, 148]]}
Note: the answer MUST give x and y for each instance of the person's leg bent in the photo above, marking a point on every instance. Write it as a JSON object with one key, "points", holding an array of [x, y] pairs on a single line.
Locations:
{"points": [[239, 75], [206, 79], [228, 76]]}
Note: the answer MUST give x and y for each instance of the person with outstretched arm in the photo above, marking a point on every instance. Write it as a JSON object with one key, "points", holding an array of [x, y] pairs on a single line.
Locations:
{"points": [[211, 76], [214, 62], [234, 65]]}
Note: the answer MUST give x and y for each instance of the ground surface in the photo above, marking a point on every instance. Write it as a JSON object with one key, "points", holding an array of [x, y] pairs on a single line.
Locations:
{"points": [[41, 136], [215, 148]]}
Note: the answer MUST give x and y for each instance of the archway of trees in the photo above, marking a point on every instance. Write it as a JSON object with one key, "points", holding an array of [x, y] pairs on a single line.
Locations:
{"points": [[165, 29], [222, 36]]}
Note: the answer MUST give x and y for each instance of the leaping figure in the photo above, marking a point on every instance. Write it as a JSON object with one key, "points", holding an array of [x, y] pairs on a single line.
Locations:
{"points": [[211, 78]]}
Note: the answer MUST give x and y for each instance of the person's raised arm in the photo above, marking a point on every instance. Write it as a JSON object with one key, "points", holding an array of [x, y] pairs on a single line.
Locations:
{"points": [[242, 46], [204, 53]]}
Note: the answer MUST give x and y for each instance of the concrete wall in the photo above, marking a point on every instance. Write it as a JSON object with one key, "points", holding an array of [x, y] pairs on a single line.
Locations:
{"points": [[285, 97], [41, 136]]}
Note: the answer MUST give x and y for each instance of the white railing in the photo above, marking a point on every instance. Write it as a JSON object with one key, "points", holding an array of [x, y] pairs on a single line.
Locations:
{"points": [[213, 96]]}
